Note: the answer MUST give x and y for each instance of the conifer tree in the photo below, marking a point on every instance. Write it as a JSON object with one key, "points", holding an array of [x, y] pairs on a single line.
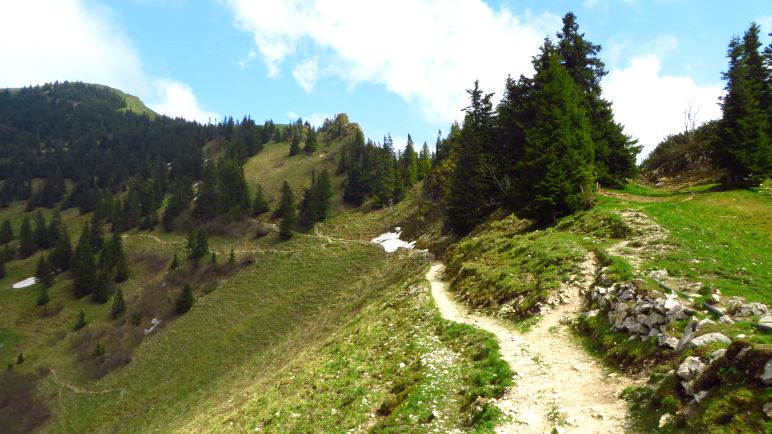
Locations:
{"points": [[614, 151], [232, 256], [44, 273], [2, 266], [41, 231], [102, 286], [311, 142], [61, 256], [288, 212], [6, 233], [556, 171], [410, 164], [424, 162], [119, 305], [54, 230], [207, 204], [743, 148], [295, 144], [175, 263], [198, 246], [83, 265], [185, 300], [26, 239], [43, 297], [470, 190], [323, 194], [260, 205], [121, 266], [81, 322]]}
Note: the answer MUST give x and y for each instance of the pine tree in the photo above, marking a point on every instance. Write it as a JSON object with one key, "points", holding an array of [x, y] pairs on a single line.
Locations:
{"points": [[185, 300], [81, 322], [556, 171], [2, 265], [295, 144], [311, 142], [309, 206], [469, 198], [232, 256], [288, 212], [323, 194], [54, 231], [424, 162], [41, 231], [6, 233], [121, 266], [83, 265], [207, 205], [198, 246], [102, 286], [260, 205], [743, 147], [614, 151], [119, 305], [44, 273], [175, 263], [61, 256], [26, 240], [43, 297], [410, 164]]}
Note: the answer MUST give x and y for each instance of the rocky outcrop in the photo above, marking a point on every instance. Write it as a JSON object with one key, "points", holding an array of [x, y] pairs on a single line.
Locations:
{"points": [[643, 315]]}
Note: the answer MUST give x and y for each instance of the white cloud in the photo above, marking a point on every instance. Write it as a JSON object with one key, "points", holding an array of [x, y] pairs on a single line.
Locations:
{"points": [[651, 106], [306, 74], [56, 40], [765, 22], [430, 51], [178, 98]]}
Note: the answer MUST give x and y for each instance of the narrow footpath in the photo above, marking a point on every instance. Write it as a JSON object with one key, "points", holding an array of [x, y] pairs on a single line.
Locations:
{"points": [[557, 385]]}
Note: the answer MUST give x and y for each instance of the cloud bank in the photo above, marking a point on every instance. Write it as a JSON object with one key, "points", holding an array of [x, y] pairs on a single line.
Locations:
{"points": [[430, 51]]}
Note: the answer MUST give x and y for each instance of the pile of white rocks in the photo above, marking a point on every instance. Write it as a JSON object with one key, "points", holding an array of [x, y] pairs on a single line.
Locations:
{"points": [[638, 314]]}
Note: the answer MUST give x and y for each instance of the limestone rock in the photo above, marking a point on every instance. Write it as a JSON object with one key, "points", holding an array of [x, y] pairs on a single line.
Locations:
{"points": [[665, 420], [658, 274], [709, 339], [690, 368], [667, 341], [768, 409], [766, 376]]}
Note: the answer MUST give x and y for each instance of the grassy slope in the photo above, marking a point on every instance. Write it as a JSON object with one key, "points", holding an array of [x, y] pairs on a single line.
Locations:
{"points": [[308, 306]]}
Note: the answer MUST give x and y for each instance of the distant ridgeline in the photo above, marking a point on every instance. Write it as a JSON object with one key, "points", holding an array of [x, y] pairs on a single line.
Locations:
{"points": [[87, 134]]}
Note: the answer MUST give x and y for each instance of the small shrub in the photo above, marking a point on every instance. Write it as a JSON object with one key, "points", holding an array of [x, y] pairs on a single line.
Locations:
{"points": [[185, 300], [81, 322]]}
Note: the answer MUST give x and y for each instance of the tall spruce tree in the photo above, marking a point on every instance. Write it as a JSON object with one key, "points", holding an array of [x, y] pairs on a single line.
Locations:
{"points": [[26, 239], [61, 256], [410, 164], [470, 198], [2, 265], [207, 205], [614, 151], [295, 144], [119, 305], [44, 272], [288, 212], [555, 175], [6, 233], [424, 162], [185, 300], [743, 147], [260, 205], [41, 231], [83, 266]]}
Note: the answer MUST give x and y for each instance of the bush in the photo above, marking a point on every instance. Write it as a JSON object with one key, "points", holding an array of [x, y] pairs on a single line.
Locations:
{"points": [[185, 300]]}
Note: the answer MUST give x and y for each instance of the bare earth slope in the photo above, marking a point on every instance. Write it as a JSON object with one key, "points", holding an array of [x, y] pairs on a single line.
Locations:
{"points": [[557, 383]]}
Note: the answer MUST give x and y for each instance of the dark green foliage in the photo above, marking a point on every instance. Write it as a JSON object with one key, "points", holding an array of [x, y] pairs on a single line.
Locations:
{"points": [[26, 240], [175, 262], [294, 145], [182, 194], [556, 170], [470, 196], [223, 191], [424, 162], [6, 233], [61, 256], [103, 286], [743, 146], [198, 246], [409, 164], [288, 212], [43, 297], [232, 256], [311, 142], [119, 305], [207, 202], [614, 151], [185, 300], [44, 272], [2, 266], [81, 322], [316, 199], [286, 201], [40, 234], [260, 205], [83, 266]]}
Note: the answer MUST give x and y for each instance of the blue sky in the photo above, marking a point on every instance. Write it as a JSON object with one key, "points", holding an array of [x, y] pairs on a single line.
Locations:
{"points": [[399, 66]]}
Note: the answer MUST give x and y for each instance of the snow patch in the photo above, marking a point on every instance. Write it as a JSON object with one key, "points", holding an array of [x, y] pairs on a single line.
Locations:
{"points": [[25, 283], [390, 241]]}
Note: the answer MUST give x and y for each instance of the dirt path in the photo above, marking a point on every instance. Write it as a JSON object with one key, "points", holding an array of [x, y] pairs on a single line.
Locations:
{"points": [[556, 381]]}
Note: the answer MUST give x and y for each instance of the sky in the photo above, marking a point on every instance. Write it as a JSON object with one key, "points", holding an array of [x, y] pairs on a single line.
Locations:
{"points": [[395, 67]]}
